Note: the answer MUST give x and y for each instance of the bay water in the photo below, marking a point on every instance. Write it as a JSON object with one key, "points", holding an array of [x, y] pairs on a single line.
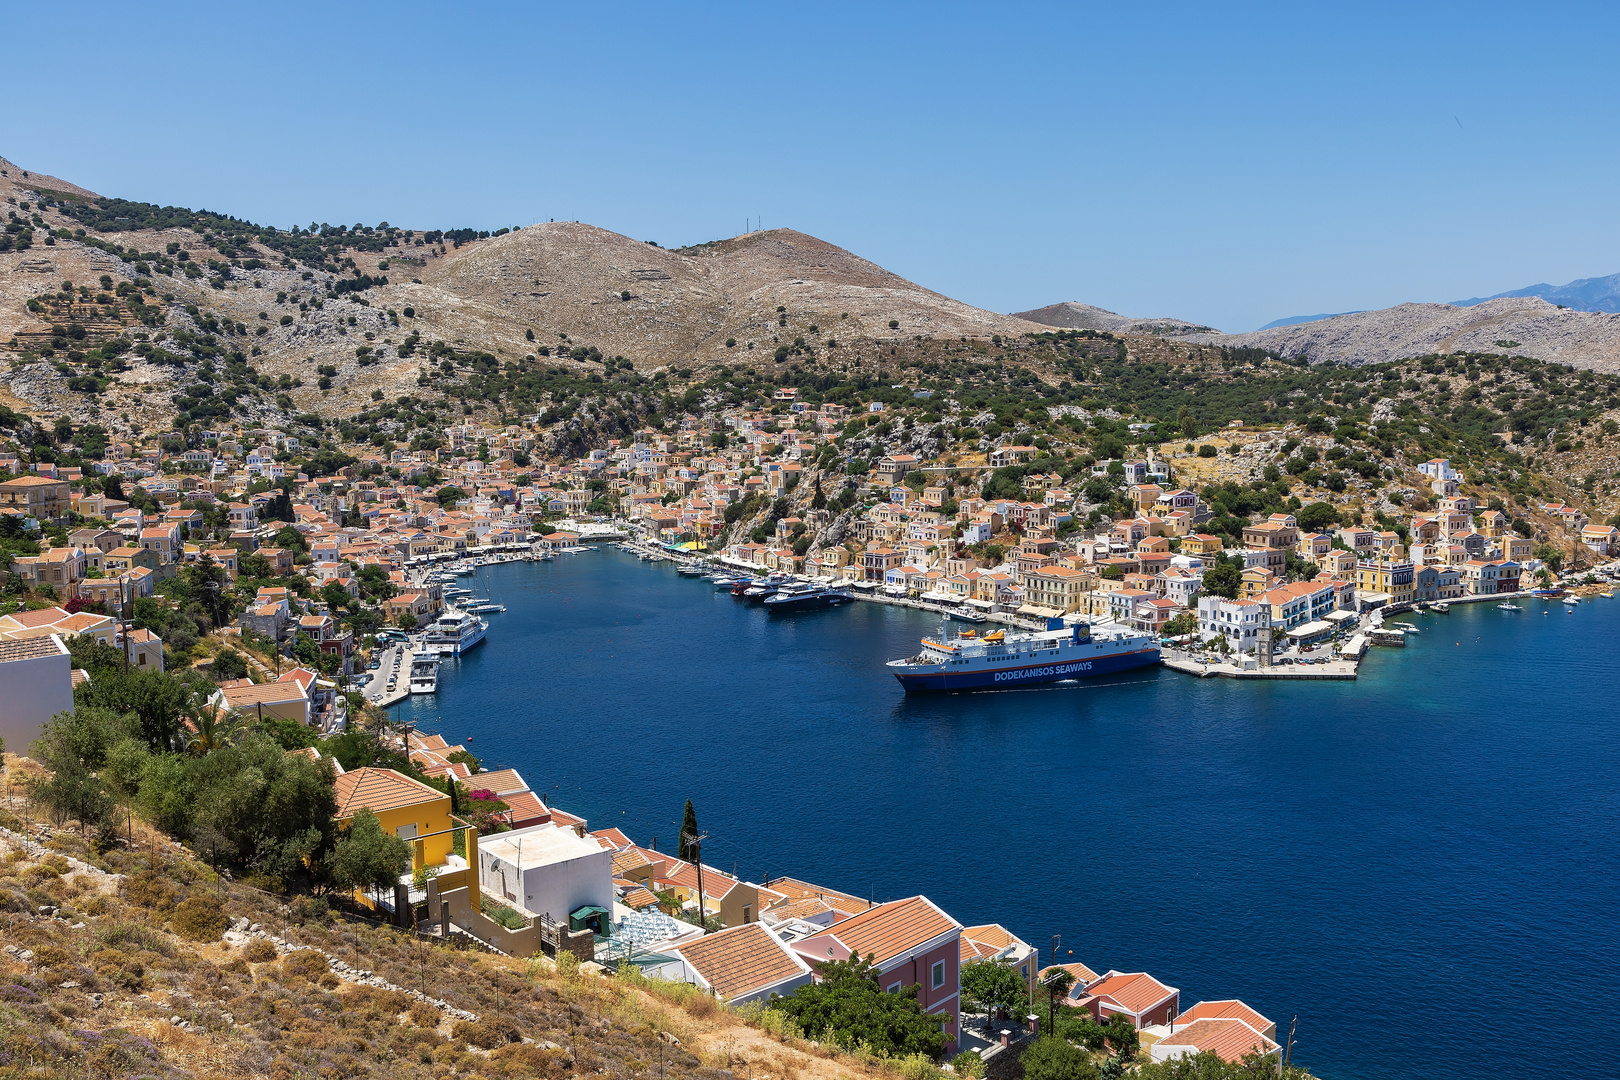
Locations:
{"points": [[1389, 859]]}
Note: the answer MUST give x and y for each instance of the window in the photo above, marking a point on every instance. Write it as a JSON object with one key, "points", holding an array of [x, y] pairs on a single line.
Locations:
{"points": [[939, 974], [895, 989]]}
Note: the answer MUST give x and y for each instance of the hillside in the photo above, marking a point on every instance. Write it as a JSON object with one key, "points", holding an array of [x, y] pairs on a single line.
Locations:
{"points": [[1528, 327], [1073, 315], [129, 958], [320, 321]]}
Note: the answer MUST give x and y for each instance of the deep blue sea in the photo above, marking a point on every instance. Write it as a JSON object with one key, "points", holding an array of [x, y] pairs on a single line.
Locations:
{"points": [[1391, 860]]}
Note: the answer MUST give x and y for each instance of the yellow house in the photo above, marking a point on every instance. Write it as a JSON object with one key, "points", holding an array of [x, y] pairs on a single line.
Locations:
{"points": [[405, 807]]}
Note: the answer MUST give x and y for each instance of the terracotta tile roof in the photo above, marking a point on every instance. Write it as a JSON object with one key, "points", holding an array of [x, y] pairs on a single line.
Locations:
{"points": [[614, 837], [798, 889], [1136, 992], [1229, 1039], [1227, 1010], [742, 959], [244, 697], [891, 929], [630, 859], [639, 899], [992, 935], [43, 617], [526, 807], [501, 781], [379, 790]]}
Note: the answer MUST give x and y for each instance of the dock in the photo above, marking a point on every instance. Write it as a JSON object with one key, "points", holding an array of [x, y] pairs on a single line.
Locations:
{"points": [[1335, 670]]}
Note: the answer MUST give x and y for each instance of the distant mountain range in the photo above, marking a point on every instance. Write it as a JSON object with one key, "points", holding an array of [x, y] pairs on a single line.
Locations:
{"points": [[1583, 294], [1295, 320]]}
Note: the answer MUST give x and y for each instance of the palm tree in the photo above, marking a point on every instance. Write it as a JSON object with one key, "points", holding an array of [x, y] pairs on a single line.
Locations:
{"points": [[212, 727], [1058, 982]]}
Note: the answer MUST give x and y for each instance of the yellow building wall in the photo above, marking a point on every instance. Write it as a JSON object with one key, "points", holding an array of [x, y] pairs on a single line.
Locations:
{"points": [[428, 817]]}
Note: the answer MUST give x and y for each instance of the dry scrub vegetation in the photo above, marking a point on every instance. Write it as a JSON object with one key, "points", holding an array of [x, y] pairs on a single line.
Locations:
{"points": [[115, 966]]}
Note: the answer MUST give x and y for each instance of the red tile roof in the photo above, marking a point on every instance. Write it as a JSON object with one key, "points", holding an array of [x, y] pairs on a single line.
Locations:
{"points": [[379, 790], [1135, 992], [1229, 1039], [891, 929], [1227, 1010], [742, 960]]}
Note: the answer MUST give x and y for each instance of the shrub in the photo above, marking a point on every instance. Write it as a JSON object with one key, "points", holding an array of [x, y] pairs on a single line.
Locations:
{"points": [[198, 918], [487, 1033], [310, 909], [305, 962], [968, 1064], [51, 956], [149, 890], [425, 1015], [259, 951]]}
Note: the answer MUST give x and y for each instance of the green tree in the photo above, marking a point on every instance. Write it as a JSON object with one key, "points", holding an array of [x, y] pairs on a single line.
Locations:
{"points": [[1552, 556], [336, 596], [988, 985], [230, 664], [1225, 578], [1057, 982], [449, 495], [1184, 623], [212, 727], [689, 829], [252, 805], [818, 500], [367, 857], [1317, 516], [1051, 1058], [158, 700], [847, 1007], [407, 621]]}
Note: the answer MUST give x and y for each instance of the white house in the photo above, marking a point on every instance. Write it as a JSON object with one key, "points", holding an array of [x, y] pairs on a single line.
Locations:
{"points": [[1238, 621], [36, 683], [546, 870]]}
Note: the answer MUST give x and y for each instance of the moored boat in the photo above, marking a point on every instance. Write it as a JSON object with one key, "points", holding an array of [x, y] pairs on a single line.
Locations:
{"points": [[969, 662], [805, 598]]}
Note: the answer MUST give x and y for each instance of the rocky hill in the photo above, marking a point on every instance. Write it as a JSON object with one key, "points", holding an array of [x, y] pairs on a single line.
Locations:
{"points": [[1525, 327], [324, 320], [1073, 315]]}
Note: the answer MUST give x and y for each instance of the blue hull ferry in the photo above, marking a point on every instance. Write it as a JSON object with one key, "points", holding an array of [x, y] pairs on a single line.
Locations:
{"points": [[1000, 659]]}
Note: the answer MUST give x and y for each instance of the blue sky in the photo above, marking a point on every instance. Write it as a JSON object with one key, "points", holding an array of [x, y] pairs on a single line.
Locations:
{"points": [[1229, 164]]}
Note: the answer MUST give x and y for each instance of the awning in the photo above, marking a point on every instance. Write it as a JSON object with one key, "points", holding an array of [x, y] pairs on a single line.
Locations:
{"points": [[1310, 630], [1040, 612], [1341, 616], [987, 605]]}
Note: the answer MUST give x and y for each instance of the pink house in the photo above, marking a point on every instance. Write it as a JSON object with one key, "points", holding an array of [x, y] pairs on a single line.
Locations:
{"points": [[910, 943]]}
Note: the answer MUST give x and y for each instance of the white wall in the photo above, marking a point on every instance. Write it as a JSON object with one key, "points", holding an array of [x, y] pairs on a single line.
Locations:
{"points": [[31, 692], [561, 887]]}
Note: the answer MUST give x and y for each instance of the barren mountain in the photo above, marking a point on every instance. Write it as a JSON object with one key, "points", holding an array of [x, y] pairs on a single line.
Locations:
{"points": [[1528, 327], [1073, 315], [681, 305], [275, 295]]}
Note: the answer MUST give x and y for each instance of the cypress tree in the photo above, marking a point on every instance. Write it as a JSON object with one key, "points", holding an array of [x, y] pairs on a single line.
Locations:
{"points": [[689, 828]]}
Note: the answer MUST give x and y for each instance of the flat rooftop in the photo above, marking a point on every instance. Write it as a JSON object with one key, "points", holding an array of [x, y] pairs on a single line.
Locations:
{"points": [[543, 845]]}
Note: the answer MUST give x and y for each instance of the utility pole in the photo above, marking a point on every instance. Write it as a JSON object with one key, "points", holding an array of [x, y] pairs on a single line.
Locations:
{"points": [[696, 842]]}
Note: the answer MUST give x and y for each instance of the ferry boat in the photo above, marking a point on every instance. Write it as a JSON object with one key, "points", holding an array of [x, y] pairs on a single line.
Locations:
{"points": [[805, 597], [424, 673], [971, 662], [454, 632]]}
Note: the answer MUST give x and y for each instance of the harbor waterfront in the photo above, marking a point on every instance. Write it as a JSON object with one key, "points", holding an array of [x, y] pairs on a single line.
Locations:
{"points": [[1360, 853]]}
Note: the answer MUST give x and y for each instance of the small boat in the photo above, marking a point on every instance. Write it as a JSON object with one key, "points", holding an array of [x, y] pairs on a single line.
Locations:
{"points": [[1508, 607], [1442, 607], [1571, 601], [1407, 629], [691, 571], [1607, 595], [485, 606]]}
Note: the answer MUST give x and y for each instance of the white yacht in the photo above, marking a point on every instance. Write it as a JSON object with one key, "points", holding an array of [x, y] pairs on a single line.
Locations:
{"points": [[424, 673], [455, 631]]}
